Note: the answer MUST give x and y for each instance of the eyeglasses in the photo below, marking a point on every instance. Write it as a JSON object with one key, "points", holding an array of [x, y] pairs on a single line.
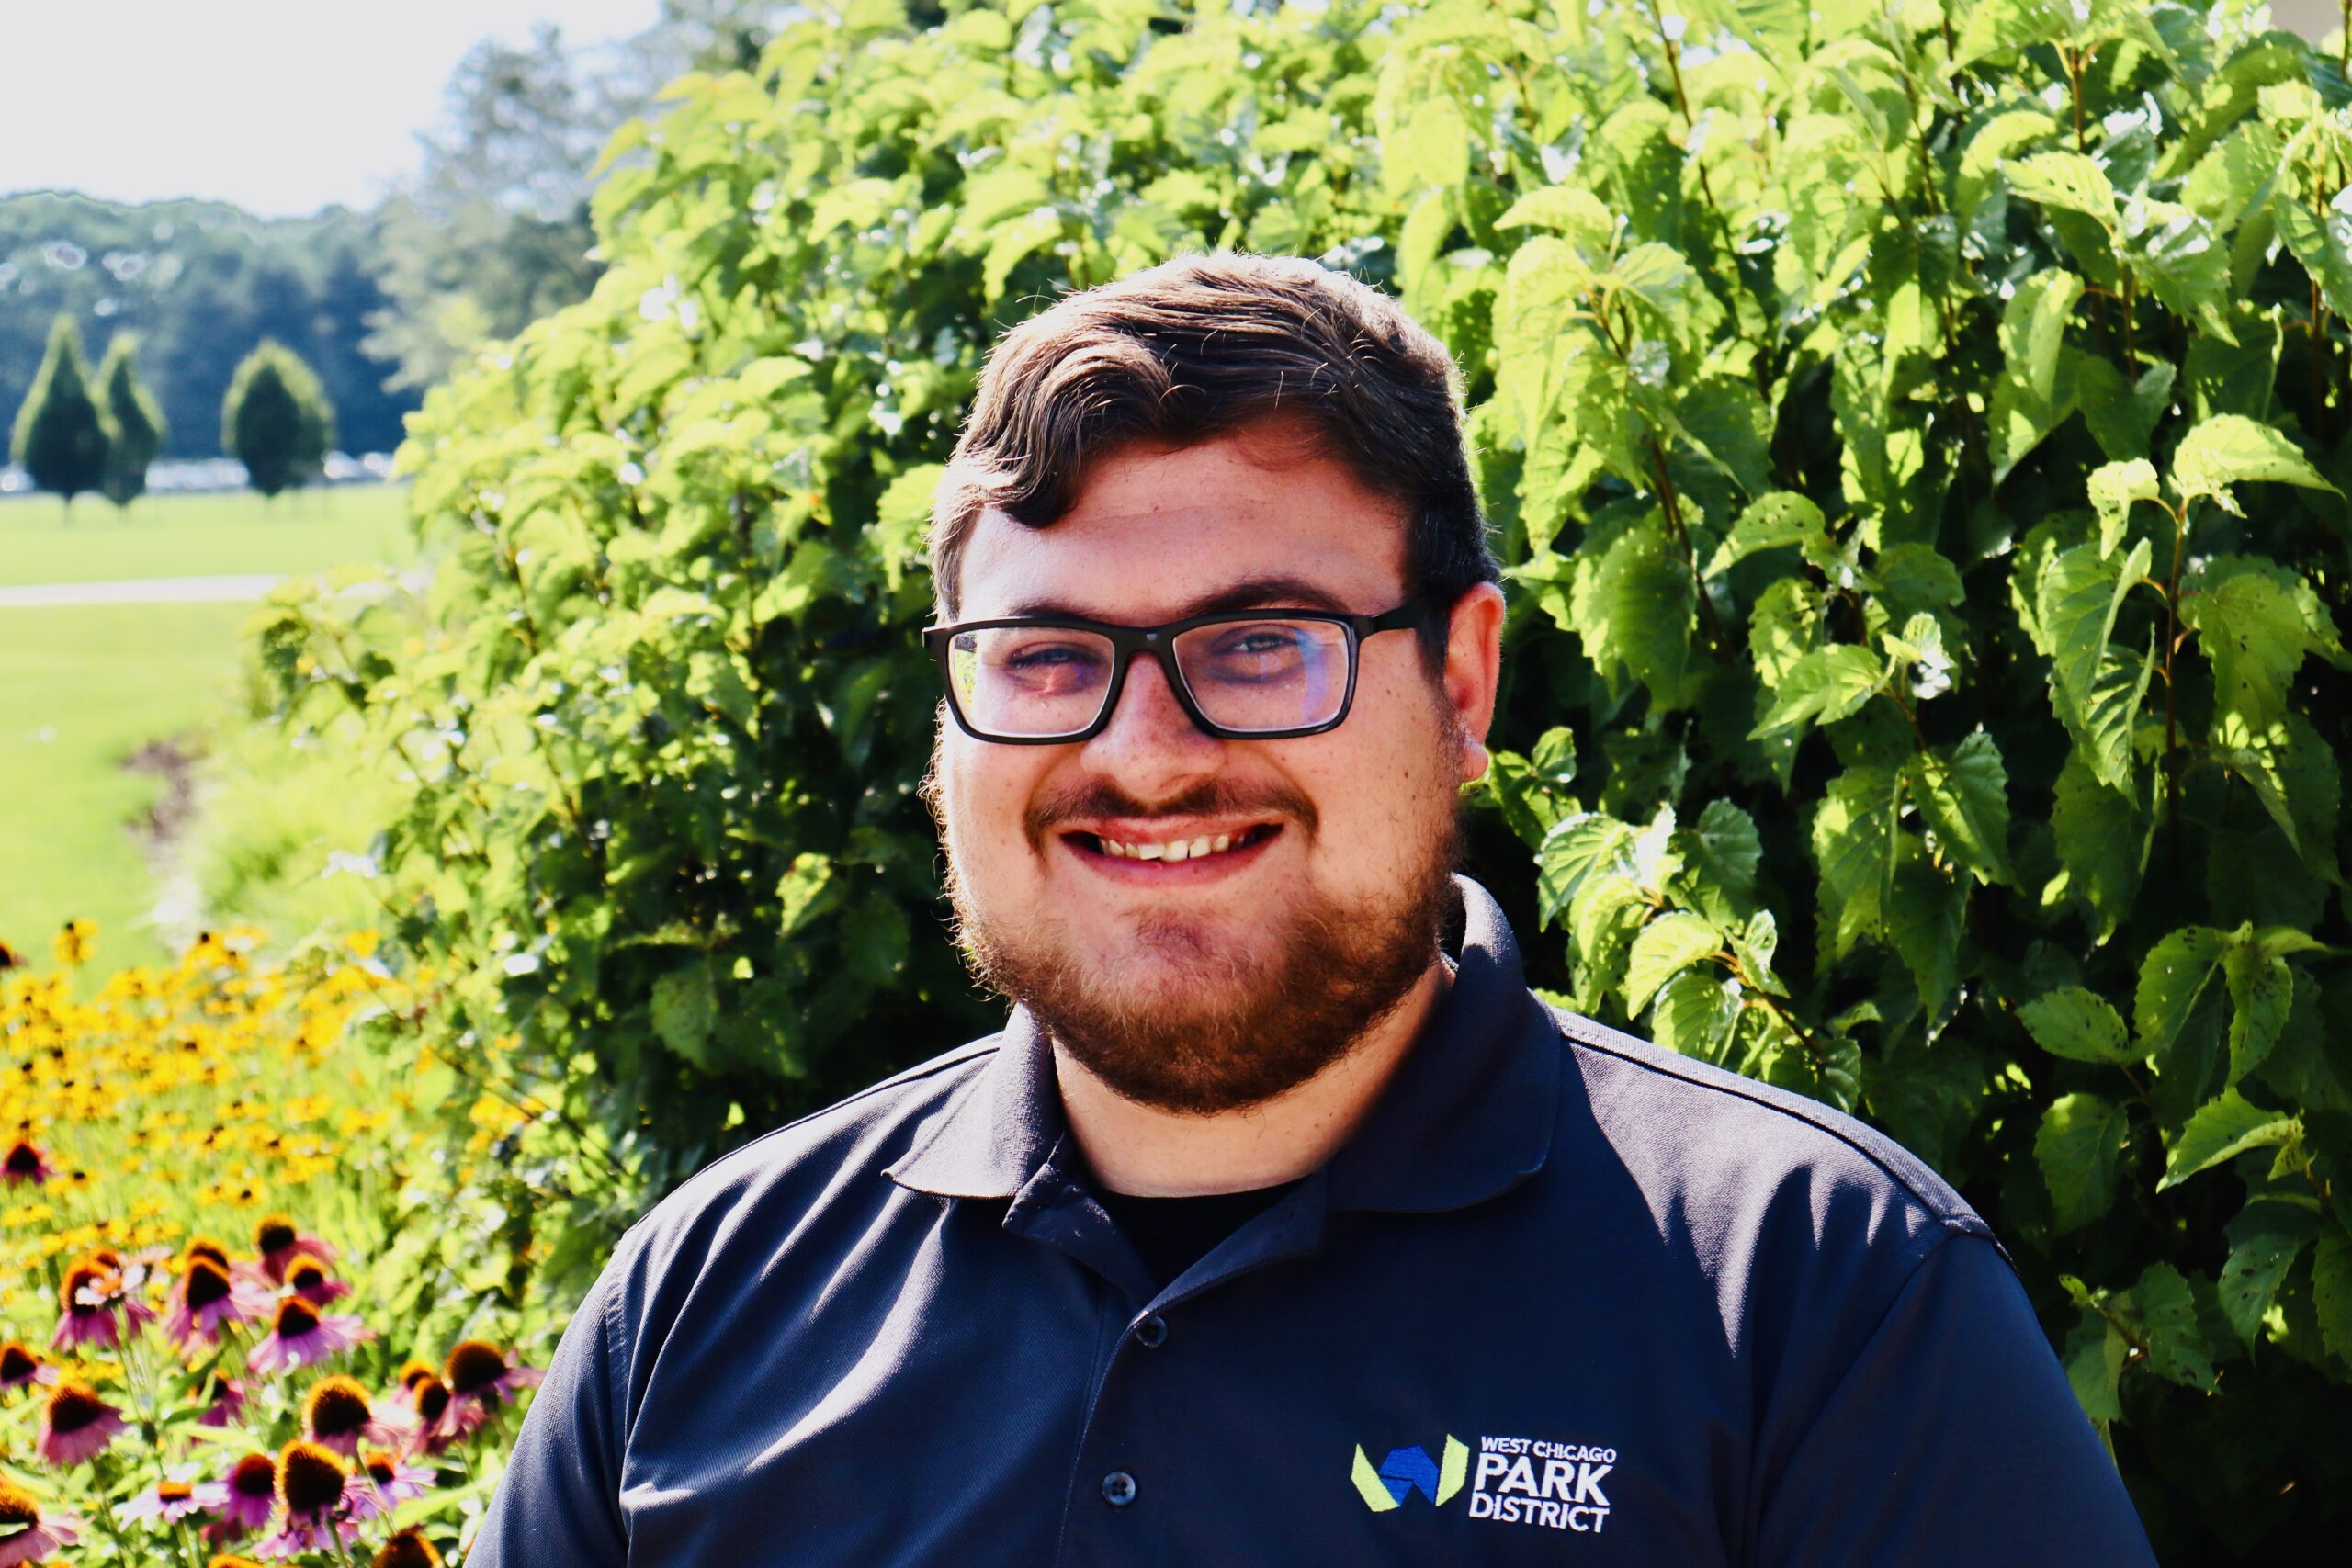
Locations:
{"points": [[1239, 674]]}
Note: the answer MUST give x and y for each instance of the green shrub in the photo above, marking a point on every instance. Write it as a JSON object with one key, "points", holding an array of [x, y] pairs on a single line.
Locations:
{"points": [[276, 418], [134, 424], [58, 437], [1917, 440]]}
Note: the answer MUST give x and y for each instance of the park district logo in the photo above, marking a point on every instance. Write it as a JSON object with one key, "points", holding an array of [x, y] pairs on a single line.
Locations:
{"points": [[1517, 1481]]}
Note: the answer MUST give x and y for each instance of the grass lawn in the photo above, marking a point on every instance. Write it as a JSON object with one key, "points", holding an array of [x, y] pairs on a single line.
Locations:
{"points": [[82, 688], [231, 531]]}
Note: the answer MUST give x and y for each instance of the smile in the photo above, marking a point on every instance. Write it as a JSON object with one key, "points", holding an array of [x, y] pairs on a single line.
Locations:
{"points": [[1205, 846]]}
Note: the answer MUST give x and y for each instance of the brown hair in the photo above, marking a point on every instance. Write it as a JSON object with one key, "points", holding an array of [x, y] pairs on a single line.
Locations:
{"points": [[1200, 347]]}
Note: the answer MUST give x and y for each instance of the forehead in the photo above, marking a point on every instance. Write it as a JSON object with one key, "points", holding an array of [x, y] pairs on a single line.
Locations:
{"points": [[1155, 531]]}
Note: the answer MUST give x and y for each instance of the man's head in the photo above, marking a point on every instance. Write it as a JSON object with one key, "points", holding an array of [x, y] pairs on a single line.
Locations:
{"points": [[1217, 433]]}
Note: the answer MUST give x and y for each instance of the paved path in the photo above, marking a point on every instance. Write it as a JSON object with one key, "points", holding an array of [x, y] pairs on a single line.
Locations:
{"points": [[240, 590], [144, 590]]}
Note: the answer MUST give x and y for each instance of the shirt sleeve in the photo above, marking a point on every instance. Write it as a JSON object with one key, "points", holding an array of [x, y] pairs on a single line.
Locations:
{"points": [[558, 1500], [1952, 1439]]}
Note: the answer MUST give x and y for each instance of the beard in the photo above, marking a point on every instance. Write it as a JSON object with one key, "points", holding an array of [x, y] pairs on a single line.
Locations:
{"points": [[1197, 1016]]}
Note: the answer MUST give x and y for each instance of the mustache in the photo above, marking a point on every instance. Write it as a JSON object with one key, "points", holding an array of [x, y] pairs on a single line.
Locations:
{"points": [[1212, 797]]}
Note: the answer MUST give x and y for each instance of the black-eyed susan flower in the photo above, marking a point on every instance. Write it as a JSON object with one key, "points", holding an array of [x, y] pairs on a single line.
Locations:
{"points": [[300, 1335], [309, 1277], [74, 940], [25, 1164], [278, 1242], [227, 1559], [207, 1295], [319, 1506], [336, 1413], [251, 1495], [481, 1379], [406, 1549], [29, 1532], [75, 1424], [21, 1368]]}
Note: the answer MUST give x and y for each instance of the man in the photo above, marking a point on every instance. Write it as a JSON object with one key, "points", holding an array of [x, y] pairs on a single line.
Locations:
{"points": [[1281, 1224]]}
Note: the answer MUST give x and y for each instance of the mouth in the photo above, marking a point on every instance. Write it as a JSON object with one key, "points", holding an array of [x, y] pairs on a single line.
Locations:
{"points": [[1163, 860]]}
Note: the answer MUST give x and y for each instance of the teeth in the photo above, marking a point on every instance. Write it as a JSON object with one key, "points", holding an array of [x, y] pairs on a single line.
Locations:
{"points": [[1181, 850]]}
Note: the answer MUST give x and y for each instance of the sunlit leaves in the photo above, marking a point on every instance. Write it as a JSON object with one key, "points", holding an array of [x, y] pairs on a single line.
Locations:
{"points": [[2080, 1149], [2230, 450]]}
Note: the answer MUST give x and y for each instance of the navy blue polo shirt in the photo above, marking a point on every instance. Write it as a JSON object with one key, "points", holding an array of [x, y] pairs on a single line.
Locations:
{"points": [[1564, 1297]]}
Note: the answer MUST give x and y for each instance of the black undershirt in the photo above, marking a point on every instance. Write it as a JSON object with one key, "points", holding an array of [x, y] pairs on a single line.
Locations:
{"points": [[1173, 1234]]}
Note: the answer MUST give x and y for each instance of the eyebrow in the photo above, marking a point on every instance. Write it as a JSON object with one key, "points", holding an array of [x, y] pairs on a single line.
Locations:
{"points": [[1248, 593]]}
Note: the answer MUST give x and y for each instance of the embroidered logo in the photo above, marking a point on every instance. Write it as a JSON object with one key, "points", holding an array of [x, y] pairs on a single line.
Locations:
{"points": [[1408, 1470]]}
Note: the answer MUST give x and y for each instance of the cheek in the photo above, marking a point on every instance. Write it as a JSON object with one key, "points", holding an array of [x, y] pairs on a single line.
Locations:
{"points": [[983, 792]]}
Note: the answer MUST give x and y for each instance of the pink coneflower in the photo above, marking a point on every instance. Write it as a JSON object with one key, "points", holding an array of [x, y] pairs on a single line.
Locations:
{"points": [[277, 1241], [75, 1424], [481, 1379], [321, 1506], [93, 1287], [299, 1336], [227, 1402], [20, 1367], [310, 1280], [423, 1394], [29, 1532], [171, 1500], [25, 1163], [395, 1479], [249, 1496], [336, 1414], [207, 1295]]}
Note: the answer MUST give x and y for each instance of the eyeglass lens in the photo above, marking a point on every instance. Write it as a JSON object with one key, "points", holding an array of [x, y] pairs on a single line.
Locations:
{"points": [[1250, 676]]}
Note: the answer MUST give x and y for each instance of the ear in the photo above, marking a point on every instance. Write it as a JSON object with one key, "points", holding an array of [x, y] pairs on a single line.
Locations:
{"points": [[1474, 661]]}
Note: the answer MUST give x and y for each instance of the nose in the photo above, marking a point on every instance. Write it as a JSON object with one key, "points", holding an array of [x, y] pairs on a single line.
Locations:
{"points": [[1151, 747]]}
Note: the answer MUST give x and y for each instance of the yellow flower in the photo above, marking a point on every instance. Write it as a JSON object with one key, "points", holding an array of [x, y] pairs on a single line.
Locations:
{"points": [[74, 940]]}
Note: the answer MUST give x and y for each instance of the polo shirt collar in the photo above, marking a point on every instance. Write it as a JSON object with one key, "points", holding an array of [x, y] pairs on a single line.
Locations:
{"points": [[1468, 1115]]}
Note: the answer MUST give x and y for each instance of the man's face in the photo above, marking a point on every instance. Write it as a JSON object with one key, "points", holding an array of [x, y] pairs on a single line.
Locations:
{"points": [[1226, 977]]}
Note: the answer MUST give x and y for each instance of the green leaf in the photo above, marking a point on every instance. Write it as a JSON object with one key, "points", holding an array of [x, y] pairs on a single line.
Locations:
{"points": [[2262, 990], [2064, 180], [1775, 522], [2230, 449], [2073, 1022], [2324, 244], [1924, 914], [1578, 216], [2114, 487], [1697, 1015], [2031, 399], [1667, 945], [1635, 608], [684, 1006], [2167, 1313], [1719, 859], [2080, 1148], [2102, 839], [2222, 1129], [2253, 632], [2096, 1354], [1578, 850], [2331, 1290], [2122, 416], [2096, 688], [2175, 252], [1783, 627], [1724, 418], [1854, 843], [2250, 1278], [2172, 978], [1964, 794], [1824, 686]]}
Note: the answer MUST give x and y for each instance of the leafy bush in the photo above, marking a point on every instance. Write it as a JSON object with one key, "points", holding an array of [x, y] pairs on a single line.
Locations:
{"points": [[1917, 436]]}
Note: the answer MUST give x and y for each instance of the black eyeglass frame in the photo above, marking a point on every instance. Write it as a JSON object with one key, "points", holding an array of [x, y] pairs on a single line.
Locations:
{"points": [[1160, 643]]}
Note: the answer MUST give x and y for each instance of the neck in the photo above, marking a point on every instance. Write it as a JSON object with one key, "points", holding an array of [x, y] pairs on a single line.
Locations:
{"points": [[1150, 1152]]}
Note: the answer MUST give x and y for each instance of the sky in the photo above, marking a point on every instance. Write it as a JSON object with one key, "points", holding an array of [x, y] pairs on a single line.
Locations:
{"points": [[282, 106]]}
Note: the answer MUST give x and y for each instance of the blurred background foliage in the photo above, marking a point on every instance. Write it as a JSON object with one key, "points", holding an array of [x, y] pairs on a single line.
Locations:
{"points": [[1917, 436]]}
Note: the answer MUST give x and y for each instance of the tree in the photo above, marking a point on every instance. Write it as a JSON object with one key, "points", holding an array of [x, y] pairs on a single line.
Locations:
{"points": [[59, 438], [133, 424], [276, 418]]}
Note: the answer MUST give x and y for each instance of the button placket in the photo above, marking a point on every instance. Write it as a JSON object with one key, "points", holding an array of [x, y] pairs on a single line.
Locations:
{"points": [[1152, 1332]]}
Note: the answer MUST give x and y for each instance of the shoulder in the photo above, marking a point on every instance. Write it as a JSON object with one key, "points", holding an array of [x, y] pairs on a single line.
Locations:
{"points": [[1742, 1163], [758, 1194]]}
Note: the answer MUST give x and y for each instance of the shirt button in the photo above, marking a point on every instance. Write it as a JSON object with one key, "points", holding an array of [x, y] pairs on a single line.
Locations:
{"points": [[1152, 1332], [1118, 1489]]}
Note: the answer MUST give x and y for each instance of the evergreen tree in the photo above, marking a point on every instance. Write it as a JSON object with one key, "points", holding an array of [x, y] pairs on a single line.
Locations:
{"points": [[134, 424], [59, 437], [277, 420]]}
